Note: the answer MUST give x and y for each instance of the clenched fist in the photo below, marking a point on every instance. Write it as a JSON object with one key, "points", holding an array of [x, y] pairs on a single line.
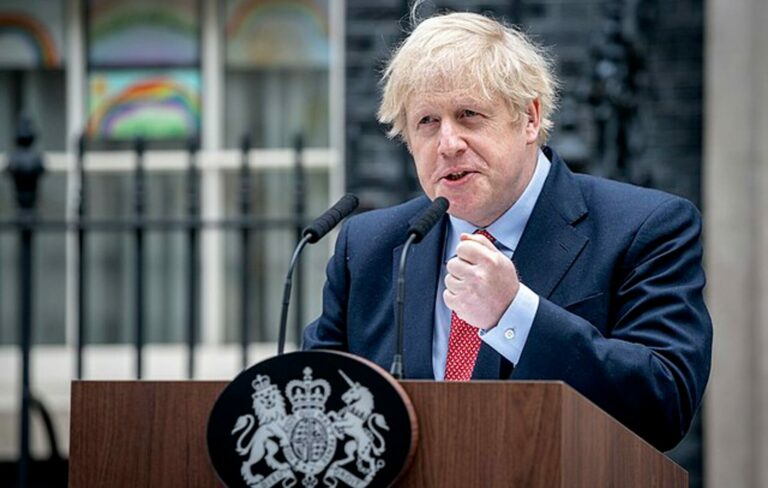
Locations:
{"points": [[480, 283]]}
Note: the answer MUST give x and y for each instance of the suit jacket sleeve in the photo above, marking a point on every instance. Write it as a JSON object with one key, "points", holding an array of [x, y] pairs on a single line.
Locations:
{"points": [[649, 367]]}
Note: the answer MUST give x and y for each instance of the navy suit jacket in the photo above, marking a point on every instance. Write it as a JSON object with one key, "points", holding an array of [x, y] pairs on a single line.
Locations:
{"points": [[621, 316]]}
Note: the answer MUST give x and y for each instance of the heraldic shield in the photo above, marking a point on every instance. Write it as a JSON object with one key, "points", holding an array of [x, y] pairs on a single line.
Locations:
{"points": [[307, 419]]}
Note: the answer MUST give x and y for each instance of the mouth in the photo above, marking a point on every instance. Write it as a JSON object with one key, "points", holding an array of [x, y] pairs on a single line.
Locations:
{"points": [[457, 176]]}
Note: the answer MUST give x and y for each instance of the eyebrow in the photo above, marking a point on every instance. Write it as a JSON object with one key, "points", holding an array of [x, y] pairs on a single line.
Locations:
{"points": [[425, 108]]}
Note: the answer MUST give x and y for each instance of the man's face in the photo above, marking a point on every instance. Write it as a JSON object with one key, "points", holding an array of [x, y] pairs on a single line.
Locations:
{"points": [[472, 152]]}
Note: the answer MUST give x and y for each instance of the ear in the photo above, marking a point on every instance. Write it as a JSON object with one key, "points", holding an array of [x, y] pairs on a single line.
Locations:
{"points": [[533, 121]]}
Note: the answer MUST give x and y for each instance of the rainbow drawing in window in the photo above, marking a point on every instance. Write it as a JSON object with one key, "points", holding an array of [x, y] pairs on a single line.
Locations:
{"points": [[31, 34], [143, 32], [277, 33], [151, 104]]}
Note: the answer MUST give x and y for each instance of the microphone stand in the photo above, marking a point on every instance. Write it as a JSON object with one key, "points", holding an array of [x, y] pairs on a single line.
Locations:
{"points": [[396, 369], [423, 224], [313, 233], [287, 293]]}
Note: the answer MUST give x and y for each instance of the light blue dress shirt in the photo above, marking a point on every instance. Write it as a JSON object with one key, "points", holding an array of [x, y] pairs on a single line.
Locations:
{"points": [[509, 335]]}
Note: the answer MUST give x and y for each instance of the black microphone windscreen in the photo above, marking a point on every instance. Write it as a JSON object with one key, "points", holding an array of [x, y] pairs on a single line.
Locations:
{"points": [[428, 218], [323, 224]]}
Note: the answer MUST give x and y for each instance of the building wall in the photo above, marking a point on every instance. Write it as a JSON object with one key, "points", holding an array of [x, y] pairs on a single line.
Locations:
{"points": [[668, 129], [736, 233]]}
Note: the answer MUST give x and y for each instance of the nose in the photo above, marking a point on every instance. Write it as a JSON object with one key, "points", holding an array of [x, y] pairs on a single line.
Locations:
{"points": [[451, 143]]}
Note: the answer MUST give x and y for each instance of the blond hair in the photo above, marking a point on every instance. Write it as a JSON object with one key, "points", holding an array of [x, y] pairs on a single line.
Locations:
{"points": [[473, 53]]}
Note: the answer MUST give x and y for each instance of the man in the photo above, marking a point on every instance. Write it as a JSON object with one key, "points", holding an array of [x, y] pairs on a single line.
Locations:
{"points": [[604, 286]]}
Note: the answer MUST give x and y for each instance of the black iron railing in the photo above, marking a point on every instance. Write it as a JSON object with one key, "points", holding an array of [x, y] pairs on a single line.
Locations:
{"points": [[25, 167]]}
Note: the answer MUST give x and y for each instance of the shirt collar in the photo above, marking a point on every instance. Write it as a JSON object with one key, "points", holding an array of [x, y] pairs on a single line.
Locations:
{"points": [[507, 229]]}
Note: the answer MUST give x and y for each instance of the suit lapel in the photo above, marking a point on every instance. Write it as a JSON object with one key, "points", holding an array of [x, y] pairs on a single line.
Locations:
{"points": [[550, 244], [548, 247], [421, 275]]}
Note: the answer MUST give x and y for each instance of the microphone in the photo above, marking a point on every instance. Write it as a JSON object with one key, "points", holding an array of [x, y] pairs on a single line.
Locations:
{"points": [[330, 219], [312, 233], [416, 232]]}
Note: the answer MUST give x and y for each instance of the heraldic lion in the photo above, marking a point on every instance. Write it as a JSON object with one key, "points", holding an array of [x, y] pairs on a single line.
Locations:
{"points": [[269, 408]]}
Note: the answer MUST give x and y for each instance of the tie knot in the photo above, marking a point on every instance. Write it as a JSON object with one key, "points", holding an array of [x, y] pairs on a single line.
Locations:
{"points": [[487, 235]]}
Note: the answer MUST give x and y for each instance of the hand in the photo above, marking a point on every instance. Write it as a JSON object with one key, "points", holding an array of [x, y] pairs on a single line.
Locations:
{"points": [[481, 282]]}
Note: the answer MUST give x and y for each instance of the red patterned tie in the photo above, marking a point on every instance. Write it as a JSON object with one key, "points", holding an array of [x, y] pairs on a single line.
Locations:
{"points": [[463, 343]]}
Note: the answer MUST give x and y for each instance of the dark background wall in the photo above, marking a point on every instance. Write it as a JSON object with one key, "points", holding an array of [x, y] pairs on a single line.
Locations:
{"points": [[631, 102], [592, 42]]}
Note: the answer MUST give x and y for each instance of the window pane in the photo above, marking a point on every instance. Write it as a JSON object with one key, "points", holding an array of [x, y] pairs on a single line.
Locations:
{"points": [[153, 104], [276, 105], [41, 95], [277, 33], [143, 32], [31, 34], [31, 74], [276, 78]]}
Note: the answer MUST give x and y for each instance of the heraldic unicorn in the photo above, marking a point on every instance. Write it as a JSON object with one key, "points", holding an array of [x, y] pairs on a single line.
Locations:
{"points": [[304, 443]]}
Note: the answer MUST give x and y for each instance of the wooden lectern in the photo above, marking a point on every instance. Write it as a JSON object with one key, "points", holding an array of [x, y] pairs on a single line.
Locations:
{"points": [[480, 433]]}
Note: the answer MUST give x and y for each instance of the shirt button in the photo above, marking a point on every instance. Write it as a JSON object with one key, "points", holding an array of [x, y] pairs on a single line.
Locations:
{"points": [[509, 334]]}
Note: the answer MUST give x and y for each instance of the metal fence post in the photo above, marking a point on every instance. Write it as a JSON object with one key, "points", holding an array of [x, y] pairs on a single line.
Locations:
{"points": [[82, 282], [245, 245], [193, 241], [25, 167], [138, 232], [300, 209]]}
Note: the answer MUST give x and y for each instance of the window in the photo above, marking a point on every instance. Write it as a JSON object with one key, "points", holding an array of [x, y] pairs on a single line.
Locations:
{"points": [[168, 71]]}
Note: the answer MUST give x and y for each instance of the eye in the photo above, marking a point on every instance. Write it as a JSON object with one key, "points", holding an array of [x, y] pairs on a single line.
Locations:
{"points": [[426, 120], [466, 113]]}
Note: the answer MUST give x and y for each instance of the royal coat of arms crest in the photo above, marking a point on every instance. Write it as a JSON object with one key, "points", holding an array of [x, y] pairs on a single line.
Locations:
{"points": [[302, 446]]}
